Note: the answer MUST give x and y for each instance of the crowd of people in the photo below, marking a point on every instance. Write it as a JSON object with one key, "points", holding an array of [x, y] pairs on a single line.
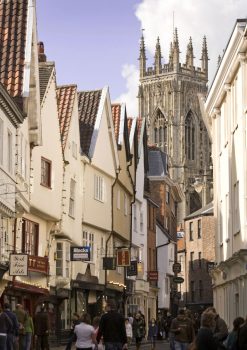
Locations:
{"points": [[111, 331]]}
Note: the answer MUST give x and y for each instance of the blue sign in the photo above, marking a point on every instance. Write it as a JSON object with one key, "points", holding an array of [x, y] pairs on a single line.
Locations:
{"points": [[80, 253]]}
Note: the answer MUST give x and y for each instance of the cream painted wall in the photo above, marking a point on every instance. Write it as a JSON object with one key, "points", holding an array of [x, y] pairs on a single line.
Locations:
{"points": [[48, 200]]}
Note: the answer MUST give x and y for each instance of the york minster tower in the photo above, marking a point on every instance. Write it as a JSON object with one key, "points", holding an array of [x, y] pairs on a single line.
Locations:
{"points": [[168, 99]]}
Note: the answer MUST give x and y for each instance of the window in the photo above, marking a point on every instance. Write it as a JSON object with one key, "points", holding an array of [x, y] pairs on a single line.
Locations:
{"points": [[88, 241], [141, 221], [199, 228], [150, 259], [191, 231], [154, 259], [72, 198], [236, 211], [118, 199], [189, 137], [74, 149], [125, 205], [10, 153], [45, 172], [167, 196], [98, 188], [200, 259], [59, 259], [84, 238], [200, 289], [1, 141], [30, 237], [192, 260], [192, 289]]}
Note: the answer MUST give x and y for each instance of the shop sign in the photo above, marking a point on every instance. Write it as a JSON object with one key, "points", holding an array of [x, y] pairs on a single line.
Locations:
{"points": [[123, 257], [38, 264], [176, 267], [109, 263], [178, 280], [132, 269], [18, 265], [80, 253], [153, 275]]}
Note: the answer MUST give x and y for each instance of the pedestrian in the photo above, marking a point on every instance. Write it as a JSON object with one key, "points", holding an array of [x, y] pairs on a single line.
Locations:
{"points": [[72, 337], [21, 318], [161, 327], [12, 336], [95, 324], [221, 330], [167, 325], [183, 330], [152, 333], [85, 334], [205, 339], [5, 328], [29, 330], [232, 339], [138, 329], [41, 329], [129, 331], [242, 336], [112, 328], [131, 319], [144, 321]]}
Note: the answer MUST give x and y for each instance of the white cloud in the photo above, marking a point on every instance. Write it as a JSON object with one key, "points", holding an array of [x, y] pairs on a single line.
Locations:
{"points": [[131, 74], [195, 18]]}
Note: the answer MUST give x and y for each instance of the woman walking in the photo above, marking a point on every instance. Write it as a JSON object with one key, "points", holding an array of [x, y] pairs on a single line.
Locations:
{"points": [[205, 339], [29, 330], [152, 333], [85, 334], [138, 330], [232, 339]]}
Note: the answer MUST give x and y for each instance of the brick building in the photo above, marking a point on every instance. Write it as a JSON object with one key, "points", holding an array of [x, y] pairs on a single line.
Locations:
{"points": [[199, 258]]}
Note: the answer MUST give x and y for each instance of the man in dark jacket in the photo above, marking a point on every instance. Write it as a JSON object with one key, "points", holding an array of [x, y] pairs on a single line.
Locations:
{"points": [[41, 329], [112, 328], [12, 336], [5, 327], [242, 337], [183, 330]]}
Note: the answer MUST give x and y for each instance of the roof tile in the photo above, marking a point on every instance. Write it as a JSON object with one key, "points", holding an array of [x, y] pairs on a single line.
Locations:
{"points": [[116, 115]]}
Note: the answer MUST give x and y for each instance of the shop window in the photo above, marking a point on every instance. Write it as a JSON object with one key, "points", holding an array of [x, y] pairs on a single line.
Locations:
{"points": [[45, 172], [30, 237]]}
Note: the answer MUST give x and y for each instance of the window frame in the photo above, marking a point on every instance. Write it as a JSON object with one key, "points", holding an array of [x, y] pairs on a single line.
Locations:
{"points": [[26, 245], [72, 198], [191, 230], [45, 178]]}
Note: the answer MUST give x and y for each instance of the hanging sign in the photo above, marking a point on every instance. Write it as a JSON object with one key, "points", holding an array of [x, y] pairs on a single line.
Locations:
{"points": [[18, 265], [132, 269], [123, 257], [80, 253]]}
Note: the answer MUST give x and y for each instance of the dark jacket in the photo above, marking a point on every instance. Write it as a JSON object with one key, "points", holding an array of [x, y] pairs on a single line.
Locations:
{"points": [[152, 330], [5, 323], [112, 328], [183, 329], [15, 325], [205, 340], [138, 327], [221, 330], [242, 337], [41, 323]]}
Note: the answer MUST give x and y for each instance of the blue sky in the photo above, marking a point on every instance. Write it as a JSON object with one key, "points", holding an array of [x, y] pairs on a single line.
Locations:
{"points": [[89, 40], [96, 42]]}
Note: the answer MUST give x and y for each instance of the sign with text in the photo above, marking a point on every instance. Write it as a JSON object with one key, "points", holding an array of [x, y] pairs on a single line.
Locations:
{"points": [[153, 275], [109, 263], [80, 253], [123, 257], [132, 269], [176, 267], [18, 265], [178, 280], [38, 264]]}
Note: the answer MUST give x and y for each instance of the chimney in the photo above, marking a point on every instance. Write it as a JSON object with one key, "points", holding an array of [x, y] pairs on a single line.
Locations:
{"points": [[41, 52]]}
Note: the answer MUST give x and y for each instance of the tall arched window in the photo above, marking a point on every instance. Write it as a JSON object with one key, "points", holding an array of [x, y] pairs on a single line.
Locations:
{"points": [[160, 130], [189, 138]]}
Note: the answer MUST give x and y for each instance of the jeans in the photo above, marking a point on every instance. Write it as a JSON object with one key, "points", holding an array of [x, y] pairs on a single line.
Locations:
{"points": [[11, 342], [180, 346], [3, 342], [113, 346], [28, 341]]}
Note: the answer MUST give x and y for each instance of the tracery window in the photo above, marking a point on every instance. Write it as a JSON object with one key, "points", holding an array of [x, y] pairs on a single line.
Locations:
{"points": [[189, 137], [160, 131]]}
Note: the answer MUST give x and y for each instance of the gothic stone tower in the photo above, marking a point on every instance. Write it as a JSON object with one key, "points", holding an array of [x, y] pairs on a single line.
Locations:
{"points": [[168, 99]]}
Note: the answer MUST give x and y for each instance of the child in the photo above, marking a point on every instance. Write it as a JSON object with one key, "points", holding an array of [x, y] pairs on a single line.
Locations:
{"points": [[129, 332], [152, 332]]}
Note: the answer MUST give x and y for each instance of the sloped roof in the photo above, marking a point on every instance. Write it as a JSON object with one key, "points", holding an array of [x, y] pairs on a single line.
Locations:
{"points": [[88, 104], [157, 161], [204, 211], [116, 116], [45, 71], [65, 101], [130, 122], [13, 27]]}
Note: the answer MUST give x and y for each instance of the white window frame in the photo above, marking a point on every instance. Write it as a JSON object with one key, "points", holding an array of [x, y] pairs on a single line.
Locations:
{"points": [[88, 241], [98, 188], [63, 255]]}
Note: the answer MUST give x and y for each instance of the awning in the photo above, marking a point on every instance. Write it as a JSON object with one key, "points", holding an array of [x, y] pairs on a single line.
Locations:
{"points": [[26, 287], [87, 285]]}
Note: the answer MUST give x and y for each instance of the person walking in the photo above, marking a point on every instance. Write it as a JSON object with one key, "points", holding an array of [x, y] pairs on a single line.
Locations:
{"points": [[231, 341], [183, 330], [29, 330], [112, 328], [152, 333], [129, 331], [5, 328], [21, 318], [41, 329], [205, 339], [85, 334], [242, 336], [138, 330], [12, 336], [221, 330], [72, 337], [167, 325], [95, 324]]}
